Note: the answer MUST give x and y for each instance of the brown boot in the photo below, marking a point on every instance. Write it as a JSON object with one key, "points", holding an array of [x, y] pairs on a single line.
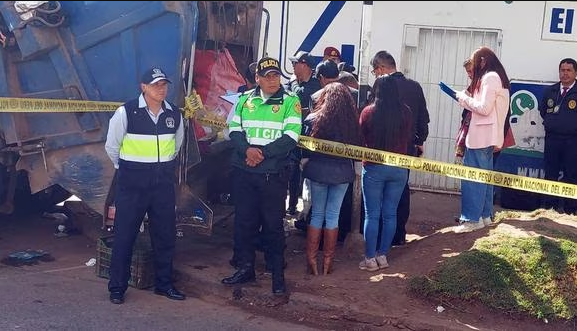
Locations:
{"points": [[329, 245], [313, 238]]}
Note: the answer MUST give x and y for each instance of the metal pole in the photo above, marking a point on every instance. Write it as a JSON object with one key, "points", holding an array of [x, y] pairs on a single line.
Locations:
{"points": [[354, 243]]}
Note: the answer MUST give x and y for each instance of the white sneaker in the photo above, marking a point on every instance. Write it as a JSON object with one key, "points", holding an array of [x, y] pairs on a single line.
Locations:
{"points": [[469, 226], [486, 221], [382, 261], [369, 264]]}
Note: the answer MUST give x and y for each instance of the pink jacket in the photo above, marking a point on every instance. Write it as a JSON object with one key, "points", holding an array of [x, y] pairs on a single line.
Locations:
{"points": [[489, 106]]}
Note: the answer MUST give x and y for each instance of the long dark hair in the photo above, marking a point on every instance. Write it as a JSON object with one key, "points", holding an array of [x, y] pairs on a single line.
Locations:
{"points": [[388, 118], [336, 115], [484, 60]]}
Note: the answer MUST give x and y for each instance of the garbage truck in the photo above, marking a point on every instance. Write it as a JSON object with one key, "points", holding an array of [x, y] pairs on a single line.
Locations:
{"points": [[94, 52]]}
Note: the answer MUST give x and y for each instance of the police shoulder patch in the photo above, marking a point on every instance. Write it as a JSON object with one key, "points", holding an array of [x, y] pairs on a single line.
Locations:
{"points": [[169, 122], [298, 108], [250, 105]]}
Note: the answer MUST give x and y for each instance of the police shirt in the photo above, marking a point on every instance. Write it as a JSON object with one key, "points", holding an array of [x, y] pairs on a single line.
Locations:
{"points": [[118, 126], [559, 112], [274, 125]]}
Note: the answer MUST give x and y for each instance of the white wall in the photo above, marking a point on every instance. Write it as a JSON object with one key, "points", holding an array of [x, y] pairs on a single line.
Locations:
{"points": [[524, 55], [345, 29]]}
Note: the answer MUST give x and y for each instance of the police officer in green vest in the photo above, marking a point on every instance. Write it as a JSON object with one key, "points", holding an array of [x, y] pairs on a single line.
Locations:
{"points": [[265, 128], [144, 137]]}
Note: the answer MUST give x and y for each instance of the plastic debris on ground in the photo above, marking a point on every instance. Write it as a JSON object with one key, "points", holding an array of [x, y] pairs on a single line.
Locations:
{"points": [[91, 262], [27, 257], [64, 231], [61, 231]]}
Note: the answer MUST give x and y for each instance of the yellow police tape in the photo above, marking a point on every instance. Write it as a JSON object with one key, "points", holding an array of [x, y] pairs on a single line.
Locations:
{"points": [[436, 167], [212, 122], [192, 107], [24, 105], [441, 168], [329, 147]]}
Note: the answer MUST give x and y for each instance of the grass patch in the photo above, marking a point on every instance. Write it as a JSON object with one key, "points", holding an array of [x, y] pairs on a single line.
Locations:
{"points": [[532, 275]]}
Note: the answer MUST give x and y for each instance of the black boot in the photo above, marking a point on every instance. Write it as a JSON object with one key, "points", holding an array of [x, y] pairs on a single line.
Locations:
{"points": [[278, 285], [301, 224], [234, 262], [243, 275]]}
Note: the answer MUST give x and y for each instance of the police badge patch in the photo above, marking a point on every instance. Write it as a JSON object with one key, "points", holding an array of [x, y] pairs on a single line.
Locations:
{"points": [[275, 108], [250, 106], [298, 108], [170, 122], [572, 104]]}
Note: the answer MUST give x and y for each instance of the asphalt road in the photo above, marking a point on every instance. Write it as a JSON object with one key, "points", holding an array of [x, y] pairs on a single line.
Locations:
{"points": [[49, 296]]}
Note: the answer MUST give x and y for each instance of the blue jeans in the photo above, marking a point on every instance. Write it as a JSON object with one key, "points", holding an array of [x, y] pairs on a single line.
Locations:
{"points": [[477, 198], [327, 201], [382, 189]]}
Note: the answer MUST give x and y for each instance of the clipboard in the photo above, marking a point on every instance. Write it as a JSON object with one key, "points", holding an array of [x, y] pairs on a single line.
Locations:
{"points": [[449, 91]]}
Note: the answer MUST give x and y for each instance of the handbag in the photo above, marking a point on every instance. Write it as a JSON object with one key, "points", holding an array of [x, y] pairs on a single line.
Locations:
{"points": [[462, 135]]}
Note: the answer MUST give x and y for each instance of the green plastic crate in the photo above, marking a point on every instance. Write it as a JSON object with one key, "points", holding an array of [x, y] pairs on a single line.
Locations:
{"points": [[141, 268]]}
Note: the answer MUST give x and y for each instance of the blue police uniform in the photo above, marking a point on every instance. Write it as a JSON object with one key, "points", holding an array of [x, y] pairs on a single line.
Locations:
{"points": [[145, 185], [559, 115]]}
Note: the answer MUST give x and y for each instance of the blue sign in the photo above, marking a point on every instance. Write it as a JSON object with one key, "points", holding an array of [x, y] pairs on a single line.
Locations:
{"points": [[525, 157]]}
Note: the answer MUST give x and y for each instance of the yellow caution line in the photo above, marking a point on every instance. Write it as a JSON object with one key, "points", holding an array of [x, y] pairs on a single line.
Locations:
{"points": [[441, 168], [436, 167], [212, 122], [329, 147], [24, 105], [29, 105]]}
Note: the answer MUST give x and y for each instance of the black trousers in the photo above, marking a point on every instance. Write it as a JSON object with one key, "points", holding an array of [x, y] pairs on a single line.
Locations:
{"points": [[403, 211], [294, 184], [259, 207], [132, 203], [561, 155]]}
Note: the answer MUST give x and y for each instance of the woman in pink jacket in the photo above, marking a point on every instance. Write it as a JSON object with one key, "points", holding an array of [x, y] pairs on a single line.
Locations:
{"points": [[489, 105]]}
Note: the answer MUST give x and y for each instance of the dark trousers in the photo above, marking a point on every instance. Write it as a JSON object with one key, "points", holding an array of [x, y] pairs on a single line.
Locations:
{"points": [[294, 184], [259, 206], [131, 206], [403, 210], [560, 155], [259, 245]]}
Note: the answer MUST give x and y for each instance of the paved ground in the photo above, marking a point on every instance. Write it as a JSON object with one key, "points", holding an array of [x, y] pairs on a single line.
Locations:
{"points": [[348, 299], [60, 292]]}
